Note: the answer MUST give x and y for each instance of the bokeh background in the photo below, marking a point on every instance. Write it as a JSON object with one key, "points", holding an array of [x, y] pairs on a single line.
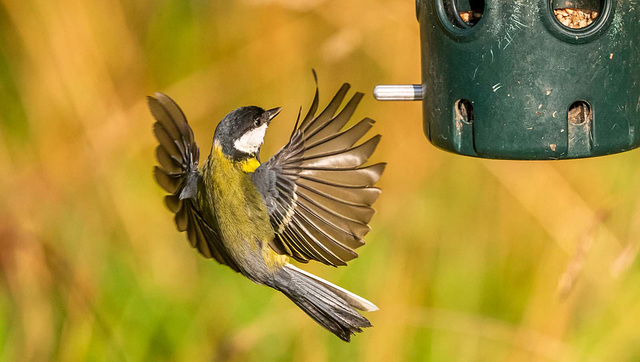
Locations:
{"points": [[468, 259]]}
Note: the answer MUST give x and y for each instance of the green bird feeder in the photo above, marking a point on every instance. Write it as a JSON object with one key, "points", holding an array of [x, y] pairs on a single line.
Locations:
{"points": [[528, 79]]}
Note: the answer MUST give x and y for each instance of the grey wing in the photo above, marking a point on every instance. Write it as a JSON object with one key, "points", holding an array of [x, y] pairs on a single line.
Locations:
{"points": [[178, 174], [317, 193]]}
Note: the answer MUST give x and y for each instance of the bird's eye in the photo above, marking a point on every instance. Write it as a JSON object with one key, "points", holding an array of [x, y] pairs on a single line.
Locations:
{"points": [[256, 122]]}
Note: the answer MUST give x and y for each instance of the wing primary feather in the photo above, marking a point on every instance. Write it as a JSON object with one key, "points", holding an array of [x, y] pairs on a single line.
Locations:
{"points": [[314, 105], [294, 251], [173, 203], [328, 210], [367, 195], [347, 227], [353, 157], [279, 246], [347, 238], [166, 141], [351, 254], [168, 183], [334, 198], [326, 127], [176, 116], [315, 244], [295, 128], [192, 237], [361, 212], [342, 140], [372, 174], [163, 117], [363, 176], [182, 219], [170, 164], [299, 245], [328, 112], [200, 240]]}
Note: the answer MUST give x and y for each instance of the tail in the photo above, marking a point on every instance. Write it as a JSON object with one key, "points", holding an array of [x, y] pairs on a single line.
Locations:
{"points": [[332, 307]]}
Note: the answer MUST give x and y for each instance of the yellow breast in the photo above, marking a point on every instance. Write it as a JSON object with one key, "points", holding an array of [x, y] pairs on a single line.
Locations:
{"points": [[240, 210], [250, 165]]}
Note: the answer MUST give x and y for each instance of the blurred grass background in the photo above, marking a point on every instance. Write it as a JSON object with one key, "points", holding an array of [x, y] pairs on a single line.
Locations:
{"points": [[468, 259]]}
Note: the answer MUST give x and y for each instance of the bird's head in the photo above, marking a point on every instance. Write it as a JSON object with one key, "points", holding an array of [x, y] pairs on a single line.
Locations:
{"points": [[241, 132]]}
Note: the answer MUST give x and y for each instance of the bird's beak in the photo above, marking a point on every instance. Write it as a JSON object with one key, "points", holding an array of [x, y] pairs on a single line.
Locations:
{"points": [[271, 113]]}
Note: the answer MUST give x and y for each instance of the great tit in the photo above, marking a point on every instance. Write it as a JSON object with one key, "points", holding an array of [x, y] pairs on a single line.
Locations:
{"points": [[310, 201]]}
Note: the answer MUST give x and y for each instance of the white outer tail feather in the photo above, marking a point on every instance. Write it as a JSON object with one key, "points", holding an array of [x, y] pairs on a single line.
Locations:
{"points": [[354, 300]]}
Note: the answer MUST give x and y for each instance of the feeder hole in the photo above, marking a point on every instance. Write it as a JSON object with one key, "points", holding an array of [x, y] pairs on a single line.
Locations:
{"points": [[464, 13], [576, 14], [579, 113], [464, 110]]}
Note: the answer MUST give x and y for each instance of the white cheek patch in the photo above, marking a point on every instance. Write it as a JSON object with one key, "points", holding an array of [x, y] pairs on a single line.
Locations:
{"points": [[250, 142]]}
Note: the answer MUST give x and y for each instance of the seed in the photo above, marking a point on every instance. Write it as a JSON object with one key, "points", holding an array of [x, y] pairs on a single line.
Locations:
{"points": [[470, 17], [575, 18]]}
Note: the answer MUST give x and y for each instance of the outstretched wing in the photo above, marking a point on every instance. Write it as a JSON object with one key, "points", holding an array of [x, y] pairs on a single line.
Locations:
{"points": [[178, 174], [317, 193]]}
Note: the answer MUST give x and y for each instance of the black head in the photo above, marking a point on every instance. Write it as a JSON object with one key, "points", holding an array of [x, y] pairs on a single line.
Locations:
{"points": [[241, 132]]}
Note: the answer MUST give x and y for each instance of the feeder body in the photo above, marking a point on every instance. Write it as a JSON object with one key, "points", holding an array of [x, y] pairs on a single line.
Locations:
{"points": [[520, 71]]}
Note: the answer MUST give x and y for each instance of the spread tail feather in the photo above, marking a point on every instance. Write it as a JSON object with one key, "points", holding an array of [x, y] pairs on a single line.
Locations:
{"points": [[332, 307]]}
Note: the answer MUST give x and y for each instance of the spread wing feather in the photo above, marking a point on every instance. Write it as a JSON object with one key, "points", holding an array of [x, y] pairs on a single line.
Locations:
{"points": [[178, 156], [318, 195]]}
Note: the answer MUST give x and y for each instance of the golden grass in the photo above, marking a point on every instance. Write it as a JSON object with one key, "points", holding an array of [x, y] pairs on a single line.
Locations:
{"points": [[468, 259]]}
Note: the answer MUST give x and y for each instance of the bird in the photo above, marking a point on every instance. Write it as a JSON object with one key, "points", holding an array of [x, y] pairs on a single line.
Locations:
{"points": [[312, 200]]}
